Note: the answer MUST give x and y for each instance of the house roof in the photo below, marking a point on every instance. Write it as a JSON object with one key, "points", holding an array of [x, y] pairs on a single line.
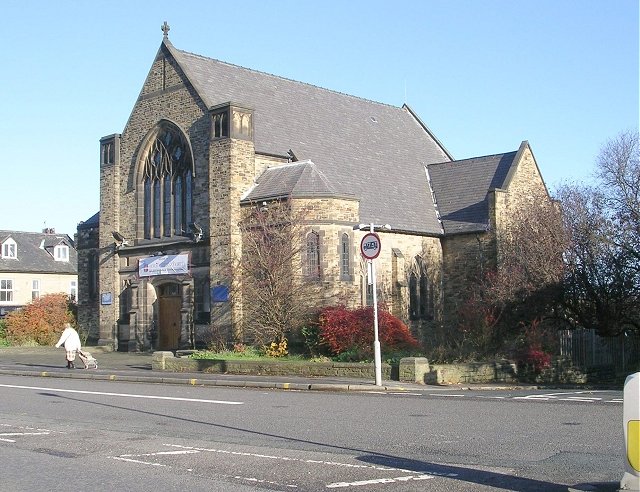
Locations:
{"points": [[35, 253], [372, 151], [461, 190]]}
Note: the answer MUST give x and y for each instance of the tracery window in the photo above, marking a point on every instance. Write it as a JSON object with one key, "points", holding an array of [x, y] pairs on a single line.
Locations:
{"points": [[421, 298], [166, 180]]}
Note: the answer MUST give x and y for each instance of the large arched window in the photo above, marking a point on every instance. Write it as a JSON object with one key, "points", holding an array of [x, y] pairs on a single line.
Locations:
{"points": [[166, 180]]}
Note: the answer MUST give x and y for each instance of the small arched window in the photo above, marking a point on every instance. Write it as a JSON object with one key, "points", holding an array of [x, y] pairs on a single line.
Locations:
{"points": [[345, 257], [93, 268], [413, 296], [313, 255], [166, 178]]}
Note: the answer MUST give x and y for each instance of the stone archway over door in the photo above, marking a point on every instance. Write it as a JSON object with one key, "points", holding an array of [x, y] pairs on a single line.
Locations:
{"points": [[169, 322]]}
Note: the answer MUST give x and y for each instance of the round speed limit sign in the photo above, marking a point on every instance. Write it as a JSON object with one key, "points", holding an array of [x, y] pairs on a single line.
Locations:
{"points": [[370, 246]]}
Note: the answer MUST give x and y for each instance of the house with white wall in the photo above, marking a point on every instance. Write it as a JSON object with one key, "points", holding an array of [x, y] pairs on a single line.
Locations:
{"points": [[33, 264]]}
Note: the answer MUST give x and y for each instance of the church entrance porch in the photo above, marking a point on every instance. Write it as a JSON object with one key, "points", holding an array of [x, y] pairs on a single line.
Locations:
{"points": [[159, 314]]}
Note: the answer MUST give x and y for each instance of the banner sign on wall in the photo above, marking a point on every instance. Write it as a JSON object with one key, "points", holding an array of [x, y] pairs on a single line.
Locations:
{"points": [[163, 265]]}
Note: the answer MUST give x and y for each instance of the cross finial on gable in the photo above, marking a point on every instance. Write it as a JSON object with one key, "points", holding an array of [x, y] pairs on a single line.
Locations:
{"points": [[165, 29]]}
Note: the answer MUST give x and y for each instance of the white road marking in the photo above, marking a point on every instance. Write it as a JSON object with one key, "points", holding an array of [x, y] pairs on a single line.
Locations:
{"points": [[439, 394], [24, 434], [40, 432], [130, 460], [568, 397], [123, 395], [286, 458], [580, 398], [533, 397], [260, 480], [376, 481], [410, 475]]}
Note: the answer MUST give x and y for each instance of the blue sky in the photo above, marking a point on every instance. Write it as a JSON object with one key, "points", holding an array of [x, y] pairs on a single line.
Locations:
{"points": [[483, 75]]}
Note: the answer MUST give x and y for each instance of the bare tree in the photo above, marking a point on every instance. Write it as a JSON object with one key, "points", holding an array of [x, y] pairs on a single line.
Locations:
{"points": [[602, 284], [524, 290], [278, 296], [619, 174]]}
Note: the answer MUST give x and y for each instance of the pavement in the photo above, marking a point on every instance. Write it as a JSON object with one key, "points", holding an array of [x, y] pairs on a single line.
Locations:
{"points": [[136, 367]]}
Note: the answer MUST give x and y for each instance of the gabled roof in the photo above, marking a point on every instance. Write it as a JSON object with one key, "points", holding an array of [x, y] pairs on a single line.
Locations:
{"points": [[372, 151], [35, 253], [296, 180], [461, 189]]}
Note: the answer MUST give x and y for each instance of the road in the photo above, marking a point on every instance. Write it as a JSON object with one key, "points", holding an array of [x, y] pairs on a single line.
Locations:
{"points": [[143, 437]]}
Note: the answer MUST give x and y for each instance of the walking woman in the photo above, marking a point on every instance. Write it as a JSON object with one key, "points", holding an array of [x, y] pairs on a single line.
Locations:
{"points": [[71, 342]]}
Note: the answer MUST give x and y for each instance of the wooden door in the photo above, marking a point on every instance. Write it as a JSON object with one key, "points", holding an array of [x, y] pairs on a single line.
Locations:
{"points": [[169, 322]]}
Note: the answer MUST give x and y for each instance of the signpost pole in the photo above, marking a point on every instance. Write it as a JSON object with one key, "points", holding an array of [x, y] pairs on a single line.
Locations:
{"points": [[370, 248], [377, 358]]}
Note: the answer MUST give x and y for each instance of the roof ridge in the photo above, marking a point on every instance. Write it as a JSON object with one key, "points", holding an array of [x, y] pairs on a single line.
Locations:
{"points": [[189, 53], [473, 158], [323, 177]]}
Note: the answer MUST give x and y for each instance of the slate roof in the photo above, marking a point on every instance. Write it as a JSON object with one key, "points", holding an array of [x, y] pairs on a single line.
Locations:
{"points": [[461, 187], [373, 151], [91, 222], [35, 253], [296, 180]]}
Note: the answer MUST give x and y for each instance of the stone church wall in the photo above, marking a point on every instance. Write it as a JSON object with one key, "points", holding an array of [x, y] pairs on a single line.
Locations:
{"points": [[466, 257], [87, 242], [165, 95]]}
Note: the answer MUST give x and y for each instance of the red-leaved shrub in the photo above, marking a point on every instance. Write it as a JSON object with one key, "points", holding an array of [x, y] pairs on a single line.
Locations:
{"points": [[41, 321], [343, 329], [534, 359]]}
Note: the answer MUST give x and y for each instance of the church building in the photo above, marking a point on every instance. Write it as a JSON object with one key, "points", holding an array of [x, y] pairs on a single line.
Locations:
{"points": [[207, 141]]}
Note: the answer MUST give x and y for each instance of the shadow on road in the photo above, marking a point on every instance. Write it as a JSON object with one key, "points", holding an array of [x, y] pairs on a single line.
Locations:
{"points": [[469, 475]]}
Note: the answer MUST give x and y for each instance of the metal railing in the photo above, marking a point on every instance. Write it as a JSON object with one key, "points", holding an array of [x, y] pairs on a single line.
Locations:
{"points": [[588, 350]]}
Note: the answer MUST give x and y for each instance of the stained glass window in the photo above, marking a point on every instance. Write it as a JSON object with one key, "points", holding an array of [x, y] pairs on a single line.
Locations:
{"points": [[167, 177]]}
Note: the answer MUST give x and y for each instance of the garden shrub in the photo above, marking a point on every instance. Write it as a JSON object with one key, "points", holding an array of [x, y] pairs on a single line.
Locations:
{"points": [[277, 349], [40, 322], [351, 330], [534, 360], [3, 333]]}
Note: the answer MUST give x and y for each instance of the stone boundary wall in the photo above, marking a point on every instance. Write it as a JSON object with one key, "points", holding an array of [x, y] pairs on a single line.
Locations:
{"points": [[409, 370], [166, 361]]}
